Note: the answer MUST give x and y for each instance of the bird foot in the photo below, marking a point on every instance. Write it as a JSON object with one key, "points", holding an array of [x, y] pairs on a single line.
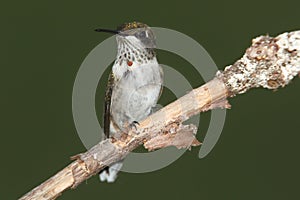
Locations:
{"points": [[134, 125]]}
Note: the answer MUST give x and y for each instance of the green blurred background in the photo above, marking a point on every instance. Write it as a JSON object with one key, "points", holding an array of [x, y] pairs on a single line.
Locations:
{"points": [[43, 44]]}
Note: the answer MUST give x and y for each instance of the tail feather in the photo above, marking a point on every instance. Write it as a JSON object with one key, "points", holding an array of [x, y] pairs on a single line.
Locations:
{"points": [[110, 174]]}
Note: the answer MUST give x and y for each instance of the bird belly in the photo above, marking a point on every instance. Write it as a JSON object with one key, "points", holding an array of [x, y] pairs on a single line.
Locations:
{"points": [[134, 95]]}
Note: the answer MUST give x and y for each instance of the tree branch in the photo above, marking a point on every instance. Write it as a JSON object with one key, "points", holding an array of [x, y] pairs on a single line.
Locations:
{"points": [[270, 63]]}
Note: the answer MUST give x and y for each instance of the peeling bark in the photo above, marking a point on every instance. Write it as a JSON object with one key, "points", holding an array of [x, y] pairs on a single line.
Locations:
{"points": [[270, 63]]}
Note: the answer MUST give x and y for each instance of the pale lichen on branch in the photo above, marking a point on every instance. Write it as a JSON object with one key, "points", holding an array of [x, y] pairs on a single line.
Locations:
{"points": [[269, 63]]}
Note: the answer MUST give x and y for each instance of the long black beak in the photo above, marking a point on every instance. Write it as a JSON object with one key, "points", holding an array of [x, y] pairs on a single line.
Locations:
{"points": [[107, 30]]}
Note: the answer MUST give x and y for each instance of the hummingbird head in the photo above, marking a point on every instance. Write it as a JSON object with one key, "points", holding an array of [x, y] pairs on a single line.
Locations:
{"points": [[136, 43], [136, 33]]}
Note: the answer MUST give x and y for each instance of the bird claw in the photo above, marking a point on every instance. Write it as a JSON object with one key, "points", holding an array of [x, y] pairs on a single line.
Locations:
{"points": [[134, 125], [130, 126]]}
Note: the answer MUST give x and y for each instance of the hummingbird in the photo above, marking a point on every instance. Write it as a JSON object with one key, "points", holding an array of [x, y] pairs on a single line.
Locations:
{"points": [[134, 84]]}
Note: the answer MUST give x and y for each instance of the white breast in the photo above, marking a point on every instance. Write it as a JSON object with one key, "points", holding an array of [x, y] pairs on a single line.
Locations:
{"points": [[135, 93]]}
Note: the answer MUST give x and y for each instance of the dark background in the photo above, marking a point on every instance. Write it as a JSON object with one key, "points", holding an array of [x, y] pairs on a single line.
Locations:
{"points": [[42, 47]]}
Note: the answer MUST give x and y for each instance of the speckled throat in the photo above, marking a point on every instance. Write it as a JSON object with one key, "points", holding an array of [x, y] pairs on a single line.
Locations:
{"points": [[128, 52]]}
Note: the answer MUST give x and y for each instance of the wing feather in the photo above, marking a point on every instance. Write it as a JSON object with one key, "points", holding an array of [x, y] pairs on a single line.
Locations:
{"points": [[107, 104]]}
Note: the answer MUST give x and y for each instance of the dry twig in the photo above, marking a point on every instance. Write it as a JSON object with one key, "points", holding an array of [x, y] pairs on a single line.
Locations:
{"points": [[270, 63]]}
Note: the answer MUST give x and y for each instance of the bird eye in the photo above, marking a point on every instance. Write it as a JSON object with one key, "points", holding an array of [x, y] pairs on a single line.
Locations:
{"points": [[142, 34]]}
